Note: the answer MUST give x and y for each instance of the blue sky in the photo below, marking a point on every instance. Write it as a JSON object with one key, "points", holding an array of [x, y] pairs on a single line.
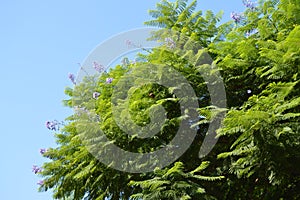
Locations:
{"points": [[41, 42]]}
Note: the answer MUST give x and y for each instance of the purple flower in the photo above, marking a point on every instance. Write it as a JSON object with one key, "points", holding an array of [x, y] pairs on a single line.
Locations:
{"points": [[109, 80], [48, 124], [36, 169], [249, 4], [96, 95], [170, 43], [249, 91], [98, 67], [40, 182], [128, 43], [42, 151], [52, 125], [80, 110], [236, 17], [72, 78]]}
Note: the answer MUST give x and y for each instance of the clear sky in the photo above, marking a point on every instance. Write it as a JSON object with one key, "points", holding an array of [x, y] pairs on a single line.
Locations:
{"points": [[41, 41]]}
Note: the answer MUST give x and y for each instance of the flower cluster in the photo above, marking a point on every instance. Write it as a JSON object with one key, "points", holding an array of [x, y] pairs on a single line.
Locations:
{"points": [[96, 95], [98, 67], [53, 125], [109, 80], [42, 151], [80, 110], [236, 17], [249, 4], [72, 78], [84, 112], [169, 42], [40, 182], [128, 43], [36, 169]]}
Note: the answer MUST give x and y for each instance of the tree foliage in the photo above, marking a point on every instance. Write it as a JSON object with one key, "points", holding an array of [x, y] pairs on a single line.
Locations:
{"points": [[258, 153]]}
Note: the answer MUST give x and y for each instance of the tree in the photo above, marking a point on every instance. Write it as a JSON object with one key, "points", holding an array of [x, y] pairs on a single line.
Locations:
{"points": [[257, 154], [264, 122]]}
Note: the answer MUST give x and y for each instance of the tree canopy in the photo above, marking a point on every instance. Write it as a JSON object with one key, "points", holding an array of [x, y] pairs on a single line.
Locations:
{"points": [[257, 155]]}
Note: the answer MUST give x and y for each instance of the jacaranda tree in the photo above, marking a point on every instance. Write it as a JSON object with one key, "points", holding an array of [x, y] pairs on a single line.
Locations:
{"points": [[258, 151]]}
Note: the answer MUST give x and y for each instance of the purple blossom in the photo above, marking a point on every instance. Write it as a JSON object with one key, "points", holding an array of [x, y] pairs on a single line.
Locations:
{"points": [[36, 169], [170, 43], [48, 125], [72, 78], [249, 4], [52, 125], [79, 110], [42, 151], [40, 182], [96, 95], [249, 91], [128, 43], [98, 67], [236, 17], [109, 80]]}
